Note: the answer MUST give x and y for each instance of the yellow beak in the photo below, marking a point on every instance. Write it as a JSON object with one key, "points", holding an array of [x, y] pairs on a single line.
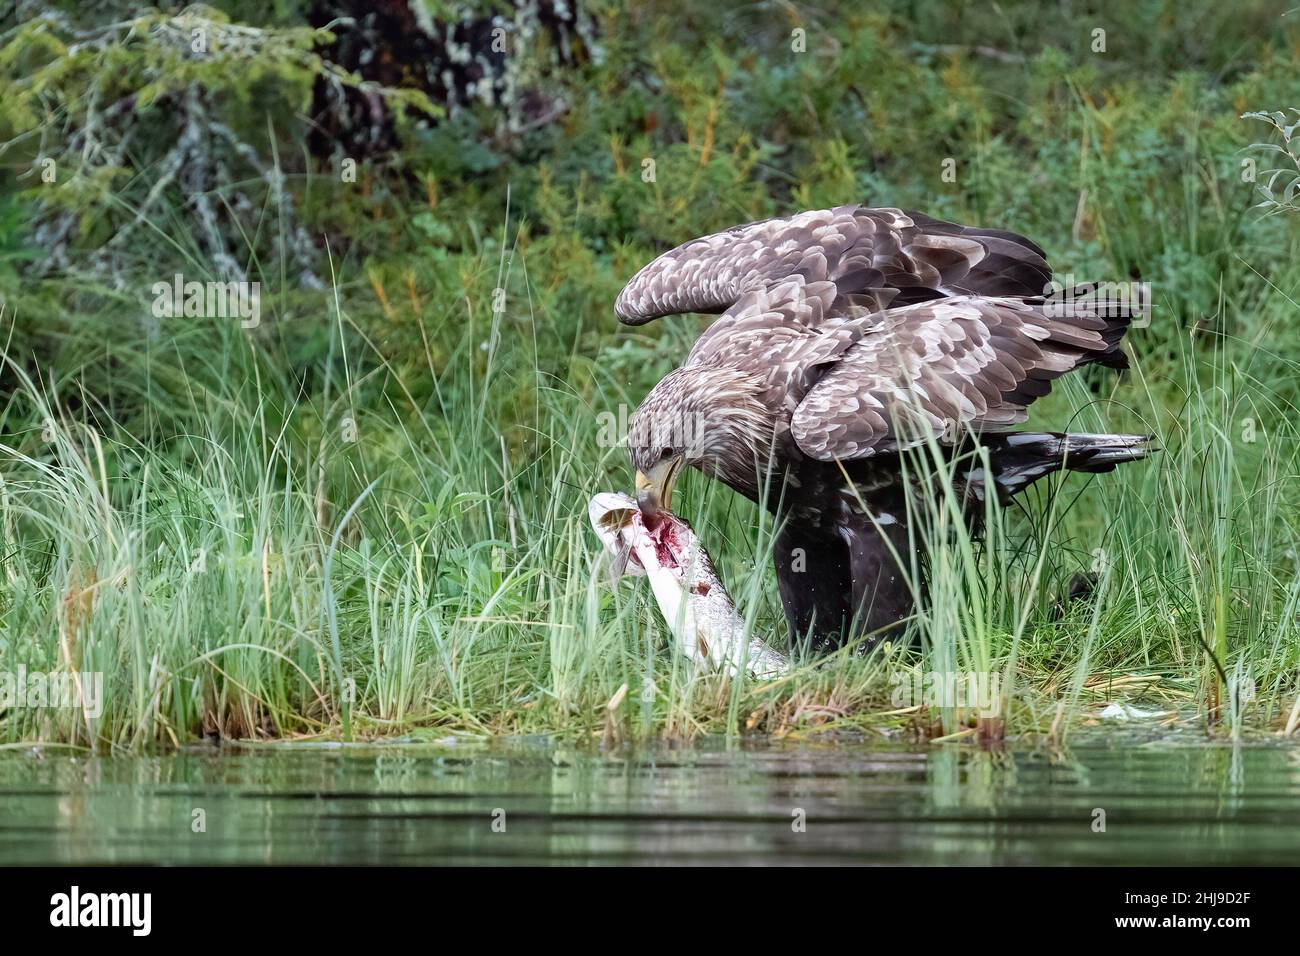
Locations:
{"points": [[654, 492]]}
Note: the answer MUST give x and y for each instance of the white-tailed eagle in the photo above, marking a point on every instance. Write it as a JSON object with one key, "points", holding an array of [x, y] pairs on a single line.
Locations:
{"points": [[845, 337]]}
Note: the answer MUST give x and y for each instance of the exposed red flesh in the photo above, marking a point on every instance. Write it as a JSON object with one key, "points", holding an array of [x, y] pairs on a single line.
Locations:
{"points": [[663, 531]]}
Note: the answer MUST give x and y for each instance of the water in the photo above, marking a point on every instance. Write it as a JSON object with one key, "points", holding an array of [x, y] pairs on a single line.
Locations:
{"points": [[422, 803]]}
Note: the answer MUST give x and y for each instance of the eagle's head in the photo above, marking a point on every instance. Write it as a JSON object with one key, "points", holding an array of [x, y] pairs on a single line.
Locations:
{"points": [[709, 417]]}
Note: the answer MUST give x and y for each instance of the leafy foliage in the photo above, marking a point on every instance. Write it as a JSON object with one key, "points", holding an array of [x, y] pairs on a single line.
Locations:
{"points": [[1281, 191], [177, 498], [138, 118]]}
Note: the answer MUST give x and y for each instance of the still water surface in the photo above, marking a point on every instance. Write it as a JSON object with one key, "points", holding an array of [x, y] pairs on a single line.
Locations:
{"points": [[790, 803]]}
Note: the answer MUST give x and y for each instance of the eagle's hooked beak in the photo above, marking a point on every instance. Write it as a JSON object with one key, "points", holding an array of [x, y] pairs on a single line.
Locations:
{"points": [[654, 492]]}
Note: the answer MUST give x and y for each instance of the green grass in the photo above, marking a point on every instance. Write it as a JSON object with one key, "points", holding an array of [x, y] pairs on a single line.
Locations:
{"points": [[367, 517], [244, 568]]}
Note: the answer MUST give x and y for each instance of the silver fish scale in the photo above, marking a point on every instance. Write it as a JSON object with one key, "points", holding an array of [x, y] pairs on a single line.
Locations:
{"points": [[717, 624], [717, 619]]}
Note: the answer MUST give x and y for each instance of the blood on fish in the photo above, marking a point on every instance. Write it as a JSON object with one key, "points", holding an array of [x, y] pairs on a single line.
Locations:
{"points": [[662, 530], [667, 544]]}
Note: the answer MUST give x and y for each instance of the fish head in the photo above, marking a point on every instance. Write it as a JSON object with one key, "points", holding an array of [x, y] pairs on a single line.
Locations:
{"points": [[640, 542], [610, 514]]}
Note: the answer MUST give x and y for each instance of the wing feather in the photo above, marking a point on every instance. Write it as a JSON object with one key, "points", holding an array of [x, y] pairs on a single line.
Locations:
{"points": [[885, 256], [784, 335], [967, 360]]}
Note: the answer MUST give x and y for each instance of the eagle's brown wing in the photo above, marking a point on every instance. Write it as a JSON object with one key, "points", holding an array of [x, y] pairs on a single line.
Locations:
{"points": [[887, 256], [958, 363], [785, 335]]}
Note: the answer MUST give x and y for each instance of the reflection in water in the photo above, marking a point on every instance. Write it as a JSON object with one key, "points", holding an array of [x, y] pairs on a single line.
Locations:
{"points": [[416, 803]]}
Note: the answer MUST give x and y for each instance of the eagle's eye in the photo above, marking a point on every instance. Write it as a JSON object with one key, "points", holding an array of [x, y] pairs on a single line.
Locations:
{"points": [[666, 452]]}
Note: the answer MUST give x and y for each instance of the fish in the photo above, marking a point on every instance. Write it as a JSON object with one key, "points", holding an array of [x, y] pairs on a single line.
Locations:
{"points": [[691, 596]]}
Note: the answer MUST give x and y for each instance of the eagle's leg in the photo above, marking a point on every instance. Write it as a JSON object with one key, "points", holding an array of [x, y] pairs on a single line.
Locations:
{"points": [[813, 576], [882, 593]]}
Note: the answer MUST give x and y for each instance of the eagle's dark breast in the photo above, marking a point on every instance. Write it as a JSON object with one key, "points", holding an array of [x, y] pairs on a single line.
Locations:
{"points": [[863, 332]]}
